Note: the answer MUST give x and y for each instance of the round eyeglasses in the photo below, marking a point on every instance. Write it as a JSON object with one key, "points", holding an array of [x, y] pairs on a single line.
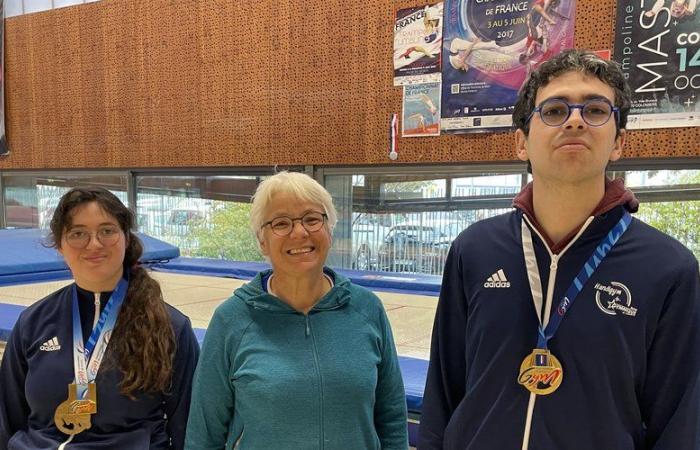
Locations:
{"points": [[596, 112], [107, 236], [283, 226]]}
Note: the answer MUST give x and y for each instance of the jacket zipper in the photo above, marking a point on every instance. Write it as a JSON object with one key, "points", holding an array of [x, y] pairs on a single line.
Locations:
{"points": [[320, 381], [553, 266], [97, 310]]}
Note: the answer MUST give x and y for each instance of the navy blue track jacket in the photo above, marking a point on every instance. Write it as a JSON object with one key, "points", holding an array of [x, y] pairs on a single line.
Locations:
{"points": [[38, 366], [629, 345]]}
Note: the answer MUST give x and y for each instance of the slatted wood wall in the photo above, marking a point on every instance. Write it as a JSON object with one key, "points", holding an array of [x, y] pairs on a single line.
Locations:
{"points": [[213, 83]]}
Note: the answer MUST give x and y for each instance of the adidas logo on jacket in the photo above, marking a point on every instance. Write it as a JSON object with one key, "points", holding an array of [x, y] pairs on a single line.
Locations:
{"points": [[51, 345], [497, 280]]}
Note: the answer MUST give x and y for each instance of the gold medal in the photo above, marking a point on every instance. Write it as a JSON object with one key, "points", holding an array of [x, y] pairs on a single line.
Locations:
{"points": [[73, 415], [540, 372]]}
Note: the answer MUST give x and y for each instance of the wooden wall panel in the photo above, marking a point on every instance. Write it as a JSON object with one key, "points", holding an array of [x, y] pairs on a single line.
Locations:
{"points": [[176, 83]]}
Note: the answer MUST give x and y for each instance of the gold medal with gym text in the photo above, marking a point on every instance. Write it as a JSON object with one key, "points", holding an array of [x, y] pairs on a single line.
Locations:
{"points": [[541, 372], [73, 415]]}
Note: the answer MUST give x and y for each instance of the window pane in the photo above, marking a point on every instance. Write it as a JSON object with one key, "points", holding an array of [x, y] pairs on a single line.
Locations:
{"points": [[402, 223], [403, 190], [207, 216], [62, 3], [358, 180], [30, 201], [32, 6], [655, 178], [481, 185], [13, 8], [670, 202], [678, 219]]}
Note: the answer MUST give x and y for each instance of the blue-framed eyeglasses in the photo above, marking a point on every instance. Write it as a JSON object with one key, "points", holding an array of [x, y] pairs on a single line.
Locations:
{"points": [[596, 112], [283, 226]]}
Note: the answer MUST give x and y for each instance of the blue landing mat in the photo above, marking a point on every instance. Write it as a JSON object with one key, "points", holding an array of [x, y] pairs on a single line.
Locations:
{"points": [[25, 259], [8, 316], [380, 281]]}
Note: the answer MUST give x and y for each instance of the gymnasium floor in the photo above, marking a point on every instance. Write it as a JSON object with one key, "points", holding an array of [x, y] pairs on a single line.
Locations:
{"points": [[411, 316]]}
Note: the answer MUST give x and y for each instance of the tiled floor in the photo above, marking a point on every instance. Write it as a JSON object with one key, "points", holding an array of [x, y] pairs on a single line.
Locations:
{"points": [[411, 316]]}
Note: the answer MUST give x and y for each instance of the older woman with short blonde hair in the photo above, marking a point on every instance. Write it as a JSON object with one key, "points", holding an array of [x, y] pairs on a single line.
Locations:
{"points": [[299, 357], [299, 185]]}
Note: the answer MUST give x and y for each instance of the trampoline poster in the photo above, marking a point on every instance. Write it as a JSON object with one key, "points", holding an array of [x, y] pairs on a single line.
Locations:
{"points": [[657, 45], [417, 44], [489, 47], [421, 110]]}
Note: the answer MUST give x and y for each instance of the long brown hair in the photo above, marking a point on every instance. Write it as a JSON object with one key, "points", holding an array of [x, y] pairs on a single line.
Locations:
{"points": [[143, 342]]}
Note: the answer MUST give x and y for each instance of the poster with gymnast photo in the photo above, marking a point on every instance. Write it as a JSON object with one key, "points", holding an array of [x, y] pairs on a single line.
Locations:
{"points": [[489, 48], [657, 43], [418, 44], [421, 110]]}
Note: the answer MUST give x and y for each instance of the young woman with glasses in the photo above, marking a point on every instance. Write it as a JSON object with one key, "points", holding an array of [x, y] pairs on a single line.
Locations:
{"points": [[299, 357], [102, 363]]}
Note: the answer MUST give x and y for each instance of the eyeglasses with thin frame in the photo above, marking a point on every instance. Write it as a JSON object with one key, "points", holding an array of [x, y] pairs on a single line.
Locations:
{"points": [[79, 238], [596, 112], [282, 226]]}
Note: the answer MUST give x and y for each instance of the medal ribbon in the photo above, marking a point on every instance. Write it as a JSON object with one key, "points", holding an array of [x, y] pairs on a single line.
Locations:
{"points": [[88, 358], [601, 251]]}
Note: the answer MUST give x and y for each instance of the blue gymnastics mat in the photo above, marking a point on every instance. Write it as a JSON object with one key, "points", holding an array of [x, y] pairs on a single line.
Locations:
{"points": [[25, 257], [403, 283]]}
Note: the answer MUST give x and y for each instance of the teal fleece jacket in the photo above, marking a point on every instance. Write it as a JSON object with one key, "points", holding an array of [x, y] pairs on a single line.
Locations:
{"points": [[270, 377]]}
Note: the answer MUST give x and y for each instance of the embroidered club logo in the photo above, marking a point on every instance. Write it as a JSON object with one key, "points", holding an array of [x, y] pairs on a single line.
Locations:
{"points": [[614, 298]]}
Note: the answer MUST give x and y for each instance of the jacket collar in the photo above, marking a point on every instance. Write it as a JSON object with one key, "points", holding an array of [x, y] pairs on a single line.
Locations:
{"points": [[616, 194], [253, 294]]}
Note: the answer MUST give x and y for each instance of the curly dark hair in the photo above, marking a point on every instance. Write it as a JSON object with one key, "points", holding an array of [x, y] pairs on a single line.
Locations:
{"points": [[608, 72], [142, 345]]}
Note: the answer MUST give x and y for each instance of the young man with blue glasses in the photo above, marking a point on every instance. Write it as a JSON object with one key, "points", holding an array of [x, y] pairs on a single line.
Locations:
{"points": [[567, 324]]}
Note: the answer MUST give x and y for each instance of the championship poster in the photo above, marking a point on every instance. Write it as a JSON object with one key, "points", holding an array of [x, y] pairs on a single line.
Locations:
{"points": [[489, 48], [417, 44], [657, 45], [421, 110]]}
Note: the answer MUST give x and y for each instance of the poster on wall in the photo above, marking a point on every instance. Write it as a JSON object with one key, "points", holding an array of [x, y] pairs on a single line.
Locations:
{"points": [[421, 110], [417, 44], [489, 48], [657, 45], [4, 150]]}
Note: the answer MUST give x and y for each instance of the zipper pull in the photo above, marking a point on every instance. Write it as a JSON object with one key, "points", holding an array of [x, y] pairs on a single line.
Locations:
{"points": [[553, 264], [308, 329], [97, 310]]}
